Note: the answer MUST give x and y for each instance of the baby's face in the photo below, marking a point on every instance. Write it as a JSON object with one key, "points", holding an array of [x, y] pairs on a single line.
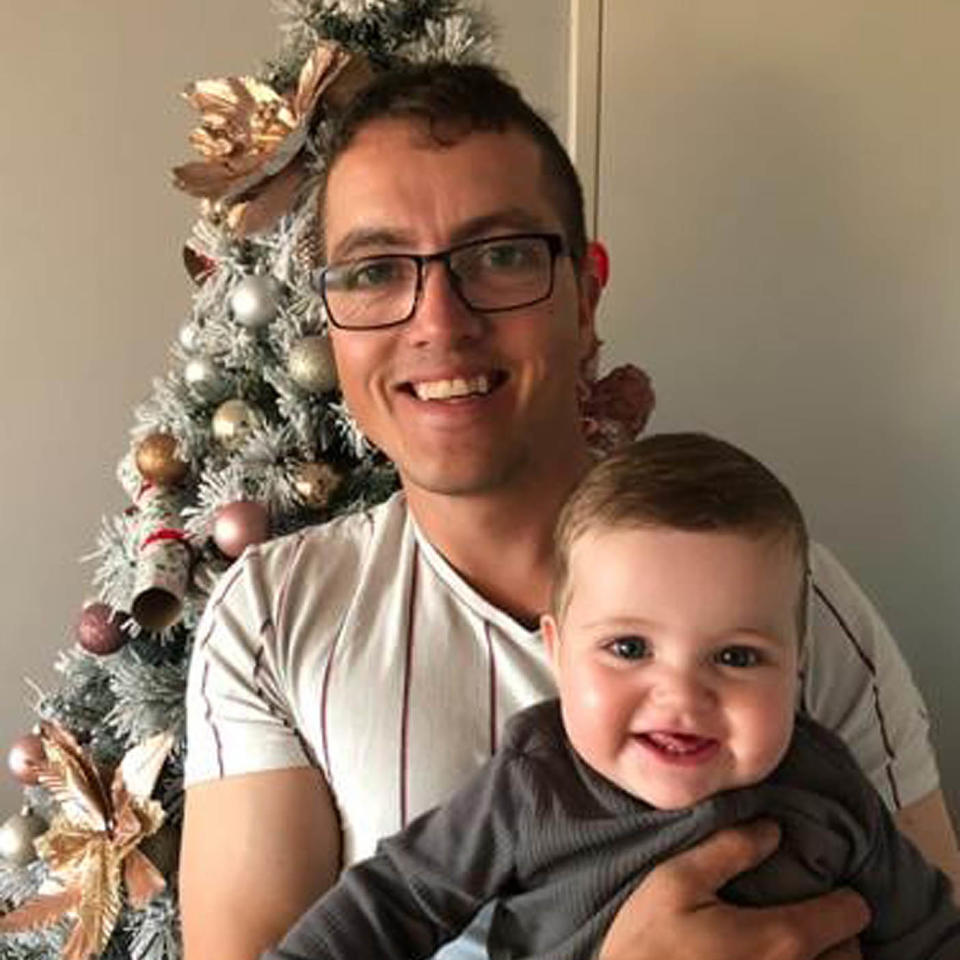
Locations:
{"points": [[676, 659]]}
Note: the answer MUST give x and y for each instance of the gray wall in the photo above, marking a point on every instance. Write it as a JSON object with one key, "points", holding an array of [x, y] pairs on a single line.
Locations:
{"points": [[780, 188]]}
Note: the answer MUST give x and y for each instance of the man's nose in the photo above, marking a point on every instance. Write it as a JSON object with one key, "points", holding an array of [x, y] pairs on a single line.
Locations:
{"points": [[441, 313]]}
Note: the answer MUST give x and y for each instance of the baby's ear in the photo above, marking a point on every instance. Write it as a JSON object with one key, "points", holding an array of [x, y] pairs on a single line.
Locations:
{"points": [[551, 637]]}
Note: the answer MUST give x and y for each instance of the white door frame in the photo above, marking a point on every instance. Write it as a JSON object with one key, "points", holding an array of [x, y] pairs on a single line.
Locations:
{"points": [[583, 96]]}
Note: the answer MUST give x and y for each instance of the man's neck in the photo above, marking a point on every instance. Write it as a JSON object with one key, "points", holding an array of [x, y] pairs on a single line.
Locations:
{"points": [[501, 541]]}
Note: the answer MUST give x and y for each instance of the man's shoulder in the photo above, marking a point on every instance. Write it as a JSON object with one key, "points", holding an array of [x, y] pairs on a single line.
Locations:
{"points": [[343, 541]]}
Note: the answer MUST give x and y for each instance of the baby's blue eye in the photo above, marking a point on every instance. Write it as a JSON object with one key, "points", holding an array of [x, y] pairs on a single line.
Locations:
{"points": [[738, 657], [628, 648]]}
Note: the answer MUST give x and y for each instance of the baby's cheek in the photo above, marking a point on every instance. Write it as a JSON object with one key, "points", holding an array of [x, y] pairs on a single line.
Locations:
{"points": [[766, 734], [590, 711]]}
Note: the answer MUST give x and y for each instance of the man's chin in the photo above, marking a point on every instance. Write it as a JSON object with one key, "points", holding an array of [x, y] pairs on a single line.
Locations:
{"points": [[457, 479]]}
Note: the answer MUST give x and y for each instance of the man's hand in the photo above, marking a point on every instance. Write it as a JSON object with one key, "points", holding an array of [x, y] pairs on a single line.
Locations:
{"points": [[675, 914], [848, 950]]}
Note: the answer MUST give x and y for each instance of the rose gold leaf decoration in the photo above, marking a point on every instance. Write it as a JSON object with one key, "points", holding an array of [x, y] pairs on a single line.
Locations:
{"points": [[140, 767], [40, 912], [72, 778], [142, 879], [332, 71], [250, 135], [275, 197], [91, 844], [100, 901]]}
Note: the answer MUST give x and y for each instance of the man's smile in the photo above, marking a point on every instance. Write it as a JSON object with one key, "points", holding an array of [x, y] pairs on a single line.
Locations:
{"points": [[455, 388]]}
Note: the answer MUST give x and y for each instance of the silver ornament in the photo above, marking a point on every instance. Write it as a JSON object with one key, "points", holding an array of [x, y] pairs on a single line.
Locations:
{"points": [[205, 378], [189, 337], [255, 300], [233, 421], [311, 366], [17, 835]]}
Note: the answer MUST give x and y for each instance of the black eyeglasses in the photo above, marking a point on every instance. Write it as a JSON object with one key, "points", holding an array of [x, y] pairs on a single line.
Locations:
{"points": [[489, 276]]}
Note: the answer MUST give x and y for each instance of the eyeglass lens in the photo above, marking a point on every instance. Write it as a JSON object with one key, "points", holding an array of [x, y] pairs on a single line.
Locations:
{"points": [[489, 275]]}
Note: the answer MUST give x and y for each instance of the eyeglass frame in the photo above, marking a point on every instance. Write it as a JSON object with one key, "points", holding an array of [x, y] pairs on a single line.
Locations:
{"points": [[556, 246]]}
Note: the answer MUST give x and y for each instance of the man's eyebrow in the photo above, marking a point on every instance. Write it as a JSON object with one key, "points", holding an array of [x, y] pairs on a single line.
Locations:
{"points": [[362, 240], [372, 238], [509, 218]]}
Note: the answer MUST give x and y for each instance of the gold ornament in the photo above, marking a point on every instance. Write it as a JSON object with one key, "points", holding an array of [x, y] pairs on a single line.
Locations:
{"points": [[311, 366], [315, 483], [18, 835], [91, 845], [158, 462], [233, 421], [252, 138]]}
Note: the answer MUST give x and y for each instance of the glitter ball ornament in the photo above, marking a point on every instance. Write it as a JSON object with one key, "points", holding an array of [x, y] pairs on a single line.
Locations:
{"points": [[205, 378], [25, 757], [157, 460], [17, 835], [255, 301], [310, 364], [100, 629], [314, 483], [233, 421], [237, 525]]}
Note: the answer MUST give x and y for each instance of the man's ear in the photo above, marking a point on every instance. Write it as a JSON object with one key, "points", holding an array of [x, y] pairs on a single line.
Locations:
{"points": [[551, 638], [594, 274]]}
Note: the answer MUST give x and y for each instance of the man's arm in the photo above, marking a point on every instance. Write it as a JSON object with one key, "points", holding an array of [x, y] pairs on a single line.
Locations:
{"points": [[257, 850], [675, 914], [927, 825]]}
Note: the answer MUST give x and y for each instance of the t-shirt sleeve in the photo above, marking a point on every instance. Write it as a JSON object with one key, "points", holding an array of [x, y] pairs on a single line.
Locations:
{"points": [[238, 719], [857, 683], [912, 904]]}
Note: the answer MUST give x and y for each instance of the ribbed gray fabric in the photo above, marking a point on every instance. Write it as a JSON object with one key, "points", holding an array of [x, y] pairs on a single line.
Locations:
{"points": [[560, 848]]}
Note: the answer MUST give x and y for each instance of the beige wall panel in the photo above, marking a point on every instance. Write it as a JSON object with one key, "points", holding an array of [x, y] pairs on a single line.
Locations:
{"points": [[780, 190]]}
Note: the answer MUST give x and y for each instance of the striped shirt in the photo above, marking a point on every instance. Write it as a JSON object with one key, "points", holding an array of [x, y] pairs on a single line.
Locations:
{"points": [[354, 646]]}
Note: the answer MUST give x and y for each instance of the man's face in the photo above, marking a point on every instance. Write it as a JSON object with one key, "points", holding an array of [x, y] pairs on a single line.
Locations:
{"points": [[676, 659], [462, 402]]}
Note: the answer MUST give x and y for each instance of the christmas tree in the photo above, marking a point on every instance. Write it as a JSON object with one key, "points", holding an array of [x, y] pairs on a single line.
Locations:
{"points": [[244, 438]]}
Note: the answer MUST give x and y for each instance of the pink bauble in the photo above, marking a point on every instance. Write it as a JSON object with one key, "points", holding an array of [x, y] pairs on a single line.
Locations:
{"points": [[100, 629], [237, 525], [25, 758]]}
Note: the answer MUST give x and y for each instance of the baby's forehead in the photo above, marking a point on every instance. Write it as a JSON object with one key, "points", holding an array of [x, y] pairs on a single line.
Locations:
{"points": [[776, 538]]}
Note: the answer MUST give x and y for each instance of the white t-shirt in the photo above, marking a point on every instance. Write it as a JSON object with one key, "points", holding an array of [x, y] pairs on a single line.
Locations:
{"points": [[356, 647]]}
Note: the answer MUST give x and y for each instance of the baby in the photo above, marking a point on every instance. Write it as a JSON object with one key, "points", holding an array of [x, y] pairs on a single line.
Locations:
{"points": [[675, 633]]}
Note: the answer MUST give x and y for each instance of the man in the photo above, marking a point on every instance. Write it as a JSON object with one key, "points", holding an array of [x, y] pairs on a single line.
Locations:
{"points": [[349, 677]]}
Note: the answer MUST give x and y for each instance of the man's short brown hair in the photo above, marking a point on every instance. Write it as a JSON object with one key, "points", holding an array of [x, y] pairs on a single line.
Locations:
{"points": [[681, 481], [454, 100]]}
